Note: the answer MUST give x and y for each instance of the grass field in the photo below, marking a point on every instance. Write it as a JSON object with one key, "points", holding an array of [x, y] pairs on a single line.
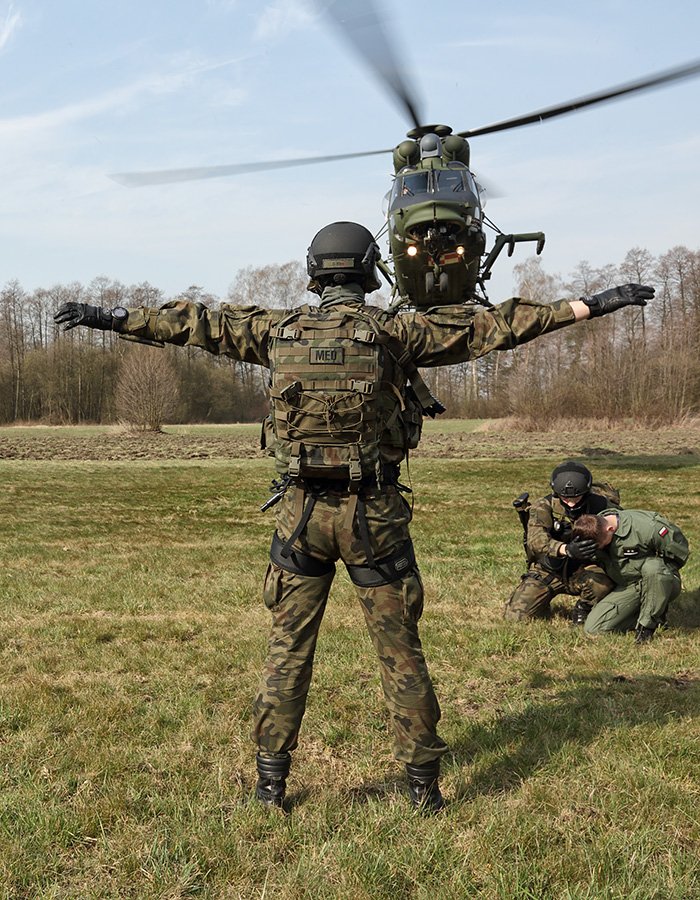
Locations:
{"points": [[131, 636]]}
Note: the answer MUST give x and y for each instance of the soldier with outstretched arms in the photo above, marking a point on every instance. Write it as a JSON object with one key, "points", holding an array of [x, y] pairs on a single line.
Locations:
{"points": [[347, 402]]}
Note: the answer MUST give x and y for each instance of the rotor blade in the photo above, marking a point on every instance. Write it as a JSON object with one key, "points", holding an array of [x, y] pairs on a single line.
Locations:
{"points": [[652, 81], [197, 173], [361, 24]]}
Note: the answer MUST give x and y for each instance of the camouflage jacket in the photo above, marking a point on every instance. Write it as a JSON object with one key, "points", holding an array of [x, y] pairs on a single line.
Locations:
{"points": [[550, 526], [440, 336]]}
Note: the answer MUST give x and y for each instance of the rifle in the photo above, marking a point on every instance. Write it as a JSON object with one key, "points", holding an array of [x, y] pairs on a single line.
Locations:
{"points": [[522, 507]]}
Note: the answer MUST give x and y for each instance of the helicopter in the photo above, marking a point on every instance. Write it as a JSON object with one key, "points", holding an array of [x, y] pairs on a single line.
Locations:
{"points": [[435, 219]]}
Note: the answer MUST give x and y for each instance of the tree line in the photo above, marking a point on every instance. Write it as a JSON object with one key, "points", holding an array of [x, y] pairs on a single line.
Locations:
{"points": [[639, 363]]}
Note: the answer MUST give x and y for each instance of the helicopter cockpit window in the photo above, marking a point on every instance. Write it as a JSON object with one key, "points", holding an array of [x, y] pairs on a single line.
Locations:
{"points": [[414, 184], [471, 184], [449, 181]]}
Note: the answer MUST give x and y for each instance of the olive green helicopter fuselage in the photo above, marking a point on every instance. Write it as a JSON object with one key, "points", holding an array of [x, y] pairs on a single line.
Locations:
{"points": [[436, 222]]}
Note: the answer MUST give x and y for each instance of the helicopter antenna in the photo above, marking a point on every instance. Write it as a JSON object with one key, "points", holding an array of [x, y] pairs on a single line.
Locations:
{"points": [[361, 23]]}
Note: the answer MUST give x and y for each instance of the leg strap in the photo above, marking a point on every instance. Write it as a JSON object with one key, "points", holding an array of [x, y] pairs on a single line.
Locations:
{"points": [[545, 580], [376, 572], [364, 531], [297, 562], [302, 516]]}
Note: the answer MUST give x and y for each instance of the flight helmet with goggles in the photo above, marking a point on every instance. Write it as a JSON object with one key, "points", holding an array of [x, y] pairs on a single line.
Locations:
{"points": [[340, 253]]}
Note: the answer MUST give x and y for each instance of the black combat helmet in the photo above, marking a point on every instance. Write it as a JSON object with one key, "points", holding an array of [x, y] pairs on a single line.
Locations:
{"points": [[343, 252], [571, 479]]}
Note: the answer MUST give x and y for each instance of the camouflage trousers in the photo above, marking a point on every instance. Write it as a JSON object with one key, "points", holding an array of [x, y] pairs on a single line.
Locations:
{"points": [[643, 602], [391, 612], [532, 597]]}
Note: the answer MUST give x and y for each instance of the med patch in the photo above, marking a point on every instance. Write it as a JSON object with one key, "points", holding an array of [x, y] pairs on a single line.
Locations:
{"points": [[327, 356]]}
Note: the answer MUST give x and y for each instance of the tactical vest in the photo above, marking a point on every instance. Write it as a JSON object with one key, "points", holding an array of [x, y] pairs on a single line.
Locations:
{"points": [[340, 403]]}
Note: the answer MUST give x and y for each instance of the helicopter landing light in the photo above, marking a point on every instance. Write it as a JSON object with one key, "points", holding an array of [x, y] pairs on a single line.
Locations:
{"points": [[412, 250]]}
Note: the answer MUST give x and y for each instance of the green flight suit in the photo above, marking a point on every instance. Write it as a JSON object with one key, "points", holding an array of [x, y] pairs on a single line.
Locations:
{"points": [[438, 337], [643, 560], [550, 574]]}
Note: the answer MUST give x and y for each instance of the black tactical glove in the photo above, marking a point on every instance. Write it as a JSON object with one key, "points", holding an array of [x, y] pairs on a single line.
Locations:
{"points": [[581, 549], [72, 314], [617, 297]]}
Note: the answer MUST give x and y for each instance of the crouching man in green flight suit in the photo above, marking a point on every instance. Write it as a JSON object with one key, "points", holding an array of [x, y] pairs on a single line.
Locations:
{"points": [[347, 405], [642, 552]]}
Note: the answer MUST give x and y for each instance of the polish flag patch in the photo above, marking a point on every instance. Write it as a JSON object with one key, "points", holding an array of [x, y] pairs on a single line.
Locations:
{"points": [[663, 531]]}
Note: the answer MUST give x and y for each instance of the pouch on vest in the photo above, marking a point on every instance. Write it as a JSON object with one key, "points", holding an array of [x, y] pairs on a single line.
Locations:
{"points": [[335, 392]]}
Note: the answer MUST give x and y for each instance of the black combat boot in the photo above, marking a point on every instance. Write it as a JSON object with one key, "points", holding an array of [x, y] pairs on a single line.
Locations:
{"points": [[579, 614], [423, 786], [272, 778], [642, 634]]}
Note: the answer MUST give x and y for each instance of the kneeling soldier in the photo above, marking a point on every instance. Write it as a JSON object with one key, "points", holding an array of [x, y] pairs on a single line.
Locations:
{"points": [[642, 552], [559, 565]]}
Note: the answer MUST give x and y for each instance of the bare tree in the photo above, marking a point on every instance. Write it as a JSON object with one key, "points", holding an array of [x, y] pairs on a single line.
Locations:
{"points": [[276, 286], [147, 389]]}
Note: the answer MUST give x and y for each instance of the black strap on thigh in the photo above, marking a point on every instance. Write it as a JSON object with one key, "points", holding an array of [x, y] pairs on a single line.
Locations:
{"points": [[544, 580], [300, 526], [364, 532], [383, 571], [298, 563]]}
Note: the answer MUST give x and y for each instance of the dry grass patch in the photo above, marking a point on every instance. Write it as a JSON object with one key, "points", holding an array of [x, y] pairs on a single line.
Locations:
{"points": [[131, 637]]}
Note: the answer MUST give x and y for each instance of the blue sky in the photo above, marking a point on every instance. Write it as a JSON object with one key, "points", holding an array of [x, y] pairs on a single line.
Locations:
{"points": [[90, 88]]}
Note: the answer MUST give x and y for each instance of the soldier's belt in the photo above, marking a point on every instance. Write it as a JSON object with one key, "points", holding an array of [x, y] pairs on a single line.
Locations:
{"points": [[390, 476]]}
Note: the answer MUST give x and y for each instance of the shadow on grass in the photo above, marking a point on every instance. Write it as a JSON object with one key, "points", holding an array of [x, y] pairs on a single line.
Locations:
{"points": [[684, 612], [687, 457], [506, 751]]}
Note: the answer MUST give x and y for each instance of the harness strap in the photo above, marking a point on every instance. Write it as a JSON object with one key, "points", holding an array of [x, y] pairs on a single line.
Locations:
{"points": [[402, 355], [294, 466], [545, 580], [355, 467], [301, 517], [364, 532], [297, 562], [350, 512], [390, 568]]}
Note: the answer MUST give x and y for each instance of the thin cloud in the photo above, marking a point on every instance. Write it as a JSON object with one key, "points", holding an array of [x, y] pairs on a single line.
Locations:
{"points": [[12, 22], [281, 18], [119, 98], [228, 97]]}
